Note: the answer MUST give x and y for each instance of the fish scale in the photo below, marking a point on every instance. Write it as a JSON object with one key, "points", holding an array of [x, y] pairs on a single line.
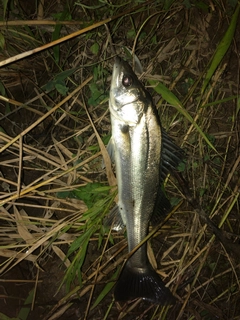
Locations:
{"points": [[143, 154]]}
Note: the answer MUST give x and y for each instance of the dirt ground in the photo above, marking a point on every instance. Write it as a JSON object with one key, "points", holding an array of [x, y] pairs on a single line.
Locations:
{"points": [[43, 277]]}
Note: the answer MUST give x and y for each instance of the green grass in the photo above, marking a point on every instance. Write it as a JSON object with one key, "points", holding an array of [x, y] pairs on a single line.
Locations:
{"points": [[55, 122]]}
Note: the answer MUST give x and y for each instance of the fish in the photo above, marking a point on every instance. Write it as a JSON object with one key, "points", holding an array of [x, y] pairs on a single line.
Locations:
{"points": [[144, 155]]}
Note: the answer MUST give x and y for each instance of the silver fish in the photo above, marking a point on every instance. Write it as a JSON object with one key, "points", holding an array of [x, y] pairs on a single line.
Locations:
{"points": [[143, 155]]}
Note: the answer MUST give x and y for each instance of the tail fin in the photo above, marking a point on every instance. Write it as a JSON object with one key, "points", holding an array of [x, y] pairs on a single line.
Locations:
{"points": [[142, 283]]}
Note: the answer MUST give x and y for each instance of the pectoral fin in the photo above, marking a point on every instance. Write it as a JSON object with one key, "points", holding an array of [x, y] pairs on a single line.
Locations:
{"points": [[110, 149]]}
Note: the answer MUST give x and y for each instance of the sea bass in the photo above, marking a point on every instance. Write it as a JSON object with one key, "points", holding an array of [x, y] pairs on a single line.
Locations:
{"points": [[143, 155]]}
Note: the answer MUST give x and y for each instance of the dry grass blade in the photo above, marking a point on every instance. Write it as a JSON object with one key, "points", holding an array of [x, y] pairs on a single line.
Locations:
{"points": [[46, 115], [54, 193], [106, 157], [66, 38]]}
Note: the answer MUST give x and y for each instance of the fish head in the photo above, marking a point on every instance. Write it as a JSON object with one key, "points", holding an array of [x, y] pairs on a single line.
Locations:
{"points": [[128, 96]]}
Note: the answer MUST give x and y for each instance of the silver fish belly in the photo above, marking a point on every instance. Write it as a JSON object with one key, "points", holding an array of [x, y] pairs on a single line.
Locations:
{"points": [[137, 142]]}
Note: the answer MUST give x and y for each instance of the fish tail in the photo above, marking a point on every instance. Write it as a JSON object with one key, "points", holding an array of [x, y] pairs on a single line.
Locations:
{"points": [[142, 283]]}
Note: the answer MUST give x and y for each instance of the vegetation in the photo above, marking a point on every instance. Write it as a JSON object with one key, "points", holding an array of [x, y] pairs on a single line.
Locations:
{"points": [[56, 60]]}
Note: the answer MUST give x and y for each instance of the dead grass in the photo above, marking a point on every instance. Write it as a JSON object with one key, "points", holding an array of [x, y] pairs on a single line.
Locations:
{"points": [[54, 125]]}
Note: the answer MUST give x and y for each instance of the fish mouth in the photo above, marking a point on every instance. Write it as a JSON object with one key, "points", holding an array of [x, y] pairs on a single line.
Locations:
{"points": [[121, 65], [120, 68], [117, 70], [119, 94], [118, 61]]}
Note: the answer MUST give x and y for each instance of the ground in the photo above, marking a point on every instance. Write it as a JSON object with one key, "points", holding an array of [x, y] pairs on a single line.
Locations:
{"points": [[58, 261]]}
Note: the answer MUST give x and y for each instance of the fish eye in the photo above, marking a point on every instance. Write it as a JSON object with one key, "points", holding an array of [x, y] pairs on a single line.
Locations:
{"points": [[127, 81]]}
